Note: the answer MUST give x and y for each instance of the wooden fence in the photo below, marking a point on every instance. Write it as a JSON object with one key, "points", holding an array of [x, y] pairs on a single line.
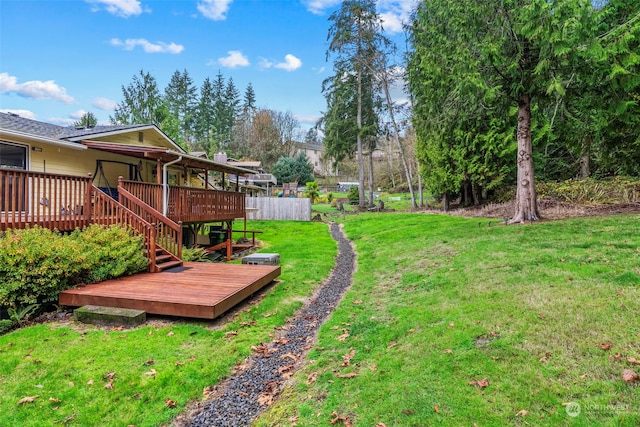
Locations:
{"points": [[293, 209]]}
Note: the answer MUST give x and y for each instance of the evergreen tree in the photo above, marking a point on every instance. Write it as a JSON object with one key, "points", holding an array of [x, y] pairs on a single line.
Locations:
{"points": [[181, 98], [142, 102], [355, 38], [88, 120]]}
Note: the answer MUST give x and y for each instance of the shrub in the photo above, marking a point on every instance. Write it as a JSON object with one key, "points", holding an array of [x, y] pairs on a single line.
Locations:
{"points": [[195, 254], [36, 264], [354, 195], [109, 252]]}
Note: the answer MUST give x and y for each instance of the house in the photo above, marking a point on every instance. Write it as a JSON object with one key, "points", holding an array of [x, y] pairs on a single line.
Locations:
{"points": [[65, 177], [315, 153], [258, 178]]}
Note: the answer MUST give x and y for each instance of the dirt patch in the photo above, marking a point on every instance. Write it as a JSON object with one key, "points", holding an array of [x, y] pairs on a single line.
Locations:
{"points": [[549, 210]]}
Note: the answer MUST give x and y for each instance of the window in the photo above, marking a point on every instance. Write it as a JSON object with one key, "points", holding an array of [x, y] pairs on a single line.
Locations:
{"points": [[13, 156]]}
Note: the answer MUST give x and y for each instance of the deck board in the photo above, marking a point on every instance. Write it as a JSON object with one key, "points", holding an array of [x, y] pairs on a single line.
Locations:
{"points": [[200, 290]]}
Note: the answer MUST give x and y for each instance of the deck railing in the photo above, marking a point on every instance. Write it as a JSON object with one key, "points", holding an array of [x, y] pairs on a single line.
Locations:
{"points": [[186, 204], [50, 200], [168, 234], [107, 211]]}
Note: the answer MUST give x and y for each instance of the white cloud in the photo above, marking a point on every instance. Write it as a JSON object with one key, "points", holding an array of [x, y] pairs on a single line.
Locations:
{"points": [[291, 63], [234, 59], [391, 22], [214, 9], [147, 46], [318, 7], [265, 63], [395, 13], [311, 119], [124, 8], [77, 115], [22, 113], [35, 89], [104, 104]]}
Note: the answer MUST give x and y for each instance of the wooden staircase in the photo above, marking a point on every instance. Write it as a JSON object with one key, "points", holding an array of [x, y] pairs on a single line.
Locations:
{"points": [[165, 260]]}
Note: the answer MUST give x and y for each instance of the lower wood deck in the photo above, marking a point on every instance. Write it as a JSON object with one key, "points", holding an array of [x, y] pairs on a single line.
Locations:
{"points": [[199, 290]]}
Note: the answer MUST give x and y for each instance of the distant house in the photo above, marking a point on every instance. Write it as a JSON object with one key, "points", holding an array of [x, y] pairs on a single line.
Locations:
{"points": [[65, 177], [315, 153], [258, 178]]}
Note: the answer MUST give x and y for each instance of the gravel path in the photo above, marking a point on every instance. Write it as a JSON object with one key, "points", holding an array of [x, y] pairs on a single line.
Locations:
{"points": [[242, 397]]}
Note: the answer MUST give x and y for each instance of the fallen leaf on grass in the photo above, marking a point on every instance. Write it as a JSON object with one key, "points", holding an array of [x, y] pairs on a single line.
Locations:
{"points": [[448, 351], [178, 363], [207, 390], [346, 359], [149, 362], [358, 301], [28, 399], [408, 412], [230, 334], [344, 336], [349, 375], [480, 383], [381, 425], [633, 360], [117, 328], [90, 382], [435, 408], [109, 385], [616, 356], [265, 399], [151, 373], [391, 345], [71, 384], [311, 378], [54, 399], [339, 418], [630, 376], [606, 346], [170, 334], [170, 403], [522, 413]]}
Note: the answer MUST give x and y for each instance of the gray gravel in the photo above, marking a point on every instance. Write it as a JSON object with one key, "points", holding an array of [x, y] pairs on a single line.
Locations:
{"points": [[242, 397]]}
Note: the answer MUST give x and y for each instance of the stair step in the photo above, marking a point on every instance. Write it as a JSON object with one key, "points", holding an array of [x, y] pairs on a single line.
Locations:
{"points": [[163, 258], [167, 265]]}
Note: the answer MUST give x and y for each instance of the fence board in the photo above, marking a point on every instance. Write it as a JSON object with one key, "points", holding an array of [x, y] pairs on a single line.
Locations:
{"points": [[271, 208]]}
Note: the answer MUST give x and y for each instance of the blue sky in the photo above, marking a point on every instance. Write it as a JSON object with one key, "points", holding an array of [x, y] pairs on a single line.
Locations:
{"points": [[62, 58]]}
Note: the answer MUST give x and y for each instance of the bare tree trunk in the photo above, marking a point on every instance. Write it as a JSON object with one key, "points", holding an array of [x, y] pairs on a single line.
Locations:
{"points": [[526, 200], [396, 136], [390, 163], [420, 190], [585, 169], [361, 203], [371, 178]]}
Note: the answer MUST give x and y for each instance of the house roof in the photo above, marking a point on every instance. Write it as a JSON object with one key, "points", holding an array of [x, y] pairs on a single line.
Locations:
{"points": [[81, 138]]}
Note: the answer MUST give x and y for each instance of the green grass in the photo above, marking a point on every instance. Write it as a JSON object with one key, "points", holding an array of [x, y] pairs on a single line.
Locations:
{"points": [[440, 302], [66, 366]]}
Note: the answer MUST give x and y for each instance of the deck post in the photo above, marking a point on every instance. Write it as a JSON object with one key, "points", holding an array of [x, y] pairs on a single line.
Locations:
{"points": [[88, 208]]}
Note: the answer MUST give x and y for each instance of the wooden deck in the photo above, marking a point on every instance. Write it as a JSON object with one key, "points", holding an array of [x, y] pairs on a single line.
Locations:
{"points": [[200, 290]]}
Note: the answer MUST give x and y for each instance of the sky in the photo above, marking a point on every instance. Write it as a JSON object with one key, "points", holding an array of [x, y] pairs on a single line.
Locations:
{"points": [[62, 58]]}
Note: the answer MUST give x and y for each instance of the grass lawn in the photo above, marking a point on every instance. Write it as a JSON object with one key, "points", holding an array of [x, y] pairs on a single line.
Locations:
{"points": [[455, 322], [144, 377]]}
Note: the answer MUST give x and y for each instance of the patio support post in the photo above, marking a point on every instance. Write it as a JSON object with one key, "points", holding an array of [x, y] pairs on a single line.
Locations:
{"points": [[165, 184]]}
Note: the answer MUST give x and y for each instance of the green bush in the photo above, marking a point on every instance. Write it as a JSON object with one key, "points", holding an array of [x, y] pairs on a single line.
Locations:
{"points": [[36, 264], [195, 254], [354, 195], [109, 252]]}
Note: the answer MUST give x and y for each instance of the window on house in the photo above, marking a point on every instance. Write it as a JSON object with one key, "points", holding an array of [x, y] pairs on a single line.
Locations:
{"points": [[12, 156]]}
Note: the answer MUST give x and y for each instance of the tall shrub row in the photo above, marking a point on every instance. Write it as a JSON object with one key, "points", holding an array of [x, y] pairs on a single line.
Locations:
{"points": [[36, 264]]}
